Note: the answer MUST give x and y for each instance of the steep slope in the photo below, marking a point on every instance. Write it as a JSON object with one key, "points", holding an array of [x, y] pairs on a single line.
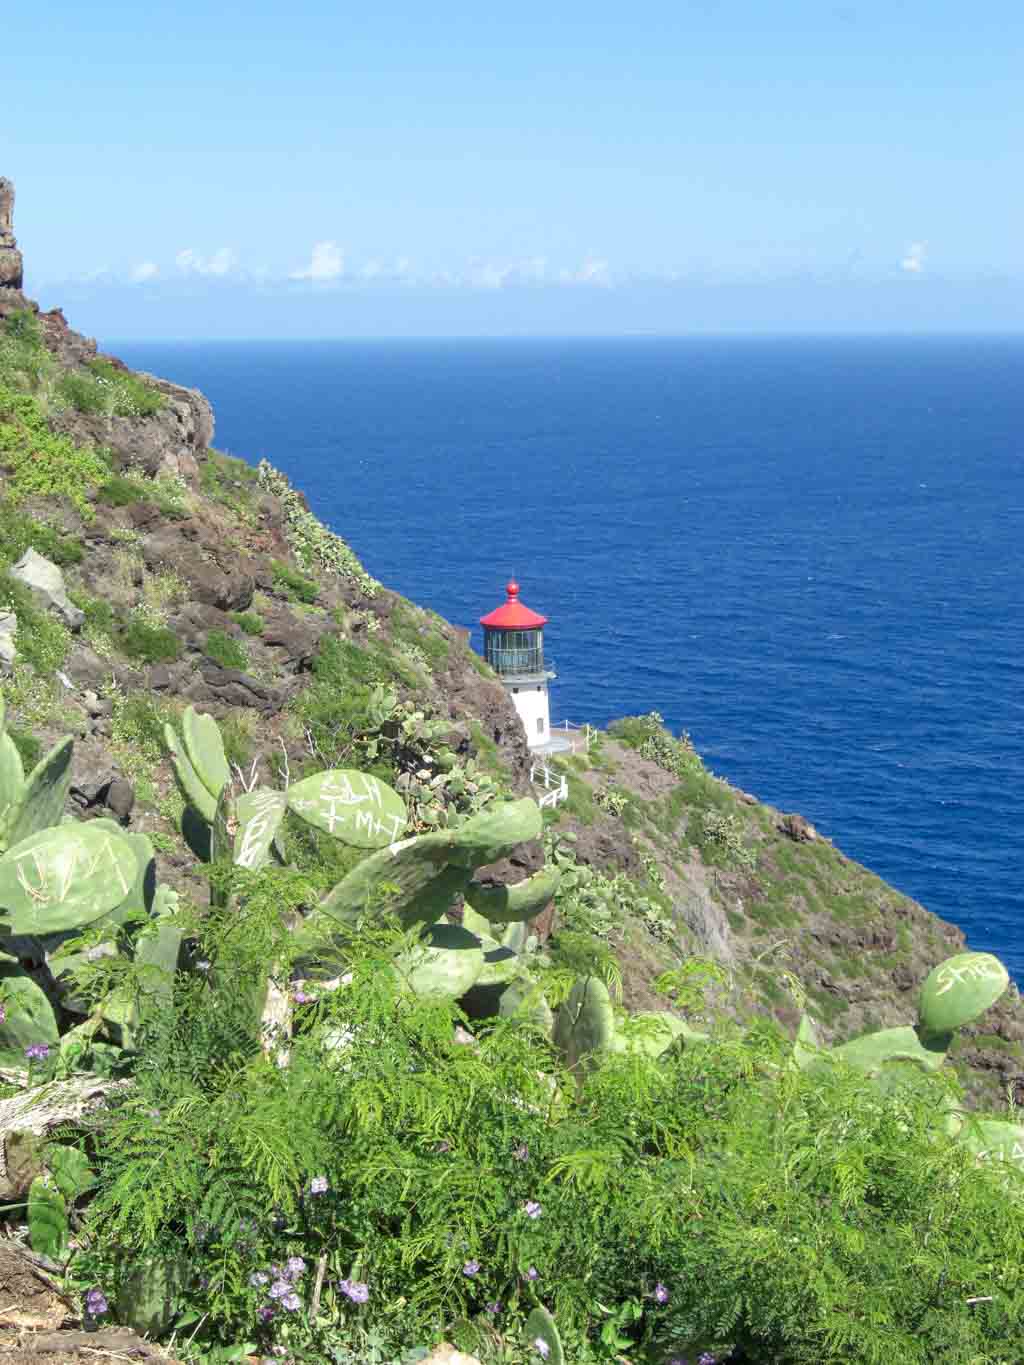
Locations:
{"points": [[194, 577]]}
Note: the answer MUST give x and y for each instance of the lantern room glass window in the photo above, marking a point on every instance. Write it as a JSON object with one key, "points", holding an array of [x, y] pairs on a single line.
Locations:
{"points": [[514, 651]]}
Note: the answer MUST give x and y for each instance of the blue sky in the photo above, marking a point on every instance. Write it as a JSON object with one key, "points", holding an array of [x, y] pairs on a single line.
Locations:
{"points": [[316, 169]]}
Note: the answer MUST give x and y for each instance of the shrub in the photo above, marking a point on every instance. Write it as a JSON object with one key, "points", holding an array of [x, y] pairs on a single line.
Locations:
{"points": [[249, 621], [309, 538], [41, 463], [147, 643], [18, 532], [294, 585], [224, 650], [102, 388], [42, 640]]}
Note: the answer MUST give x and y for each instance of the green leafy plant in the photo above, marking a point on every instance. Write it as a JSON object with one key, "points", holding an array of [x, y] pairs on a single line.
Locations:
{"points": [[225, 650]]}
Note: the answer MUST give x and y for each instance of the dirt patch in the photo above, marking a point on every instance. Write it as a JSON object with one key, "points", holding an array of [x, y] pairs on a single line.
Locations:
{"points": [[28, 1301], [642, 777]]}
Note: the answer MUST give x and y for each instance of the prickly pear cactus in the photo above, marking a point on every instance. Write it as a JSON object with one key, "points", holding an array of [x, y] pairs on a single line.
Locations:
{"points": [[43, 794], [205, 749], [524, 901], [445, 966], [806, 1048], [657, 1032], [64, 878], [259, 815], [542, 1338], [28, 1016], [525, 1000], [585, 1023], [995, 1140], [874, 1051], [48, 1228], [355, 807], [960, 989], [193, 789]]}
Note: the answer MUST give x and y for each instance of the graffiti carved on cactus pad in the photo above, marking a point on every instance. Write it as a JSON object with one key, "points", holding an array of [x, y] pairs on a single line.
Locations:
{"points": [[966, 969], [352, 806], [64, 877]]}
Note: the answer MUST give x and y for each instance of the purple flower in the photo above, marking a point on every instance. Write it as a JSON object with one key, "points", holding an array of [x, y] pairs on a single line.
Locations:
{"points": [[470, 1269], [319, 1185], [37, 1052], [706, 1359], [533, 1273], [660, 1293], [301, 998], [292, 1302], [532, 1209], [522, 1152], [541, 1347], [355, 1290], [493, 1308], [266, 1314], [3, 1013], [258, 1277], [96, 1302], [279, 1289], [296, 1266]]}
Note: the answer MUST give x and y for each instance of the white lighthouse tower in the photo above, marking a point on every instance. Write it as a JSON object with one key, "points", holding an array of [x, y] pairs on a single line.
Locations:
{"points": [[514, 647]]}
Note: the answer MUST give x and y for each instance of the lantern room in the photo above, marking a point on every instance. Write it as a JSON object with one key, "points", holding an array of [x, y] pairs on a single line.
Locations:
{"points": [[514, 647]]}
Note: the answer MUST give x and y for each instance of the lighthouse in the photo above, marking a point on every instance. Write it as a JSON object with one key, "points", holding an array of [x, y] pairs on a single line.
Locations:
{"points": [[514, 648]]}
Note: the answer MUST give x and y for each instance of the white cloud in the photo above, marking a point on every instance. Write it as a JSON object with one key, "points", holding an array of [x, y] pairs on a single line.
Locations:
{"points": [[145, 270], [913, 259], [221, 263], [594, 270], [326, 263]]}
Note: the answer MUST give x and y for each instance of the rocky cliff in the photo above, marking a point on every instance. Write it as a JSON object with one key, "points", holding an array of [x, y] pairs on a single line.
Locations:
{"points": [[186, 575]]}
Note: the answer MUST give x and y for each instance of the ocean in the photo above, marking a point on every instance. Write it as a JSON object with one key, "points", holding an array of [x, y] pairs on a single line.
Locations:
{"points": [[807, 553]]}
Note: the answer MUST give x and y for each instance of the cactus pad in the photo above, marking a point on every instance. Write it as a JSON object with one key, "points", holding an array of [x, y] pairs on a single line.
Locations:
{"points": [[192, 786], [205, 750], [445, 966], [355, 807], [29, 1016], [995, 1140], [64, 878], [507, 904], [259, 816], [12, 778], [875, 1050], [418, 867], [525, 1000], [495, 832], [659, 1033], [585, 1023], [540, 1327], [960, 989], [45, 791]]}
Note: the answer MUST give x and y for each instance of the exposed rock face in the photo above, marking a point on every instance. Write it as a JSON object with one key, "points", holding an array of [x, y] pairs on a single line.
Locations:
{"points": [[46, 583], [11, 271]]}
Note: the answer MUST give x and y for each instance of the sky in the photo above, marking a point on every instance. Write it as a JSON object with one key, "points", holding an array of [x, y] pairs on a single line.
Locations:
{"points": [[324, 169]]}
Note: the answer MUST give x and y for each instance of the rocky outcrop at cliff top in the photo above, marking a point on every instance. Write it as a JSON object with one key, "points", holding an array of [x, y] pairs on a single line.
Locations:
{"points": [[11, 266]]}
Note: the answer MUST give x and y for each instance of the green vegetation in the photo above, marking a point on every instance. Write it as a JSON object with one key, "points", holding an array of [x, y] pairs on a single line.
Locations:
{"points": [[19, 532], [39, 463], [103, 388], [294, 585], [609, 1185], [312, 543], [223, 649], [121, 490], [148, 644], [249, 621], [42, 639], [231, 482]]}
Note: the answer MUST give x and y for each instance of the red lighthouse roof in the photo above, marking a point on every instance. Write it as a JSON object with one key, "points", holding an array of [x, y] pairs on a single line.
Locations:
{"points": [[512, 614]]}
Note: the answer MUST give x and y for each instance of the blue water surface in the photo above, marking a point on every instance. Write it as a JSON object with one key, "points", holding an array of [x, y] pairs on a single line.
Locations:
{"points": [[807, 553]]}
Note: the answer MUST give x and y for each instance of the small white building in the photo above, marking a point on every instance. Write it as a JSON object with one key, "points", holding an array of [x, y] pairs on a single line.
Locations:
{"points": [[514, 647]]}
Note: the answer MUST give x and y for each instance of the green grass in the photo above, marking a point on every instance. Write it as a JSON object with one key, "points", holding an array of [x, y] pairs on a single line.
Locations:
{"points": [[148, 644], [415, 628], [226, 651], [42, 640], [103, 389], [121, 490], [249, 621], [294, 585], [40, 463], [19, 532], [27, 745], [231, 482]]}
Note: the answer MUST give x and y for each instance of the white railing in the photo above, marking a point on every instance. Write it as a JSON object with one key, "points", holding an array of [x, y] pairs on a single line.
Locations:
{"points": [[556, 788], [586, 732]]}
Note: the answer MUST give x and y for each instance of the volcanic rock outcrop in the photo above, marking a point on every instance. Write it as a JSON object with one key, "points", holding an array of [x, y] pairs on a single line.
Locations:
{"points": [[11, 268]]}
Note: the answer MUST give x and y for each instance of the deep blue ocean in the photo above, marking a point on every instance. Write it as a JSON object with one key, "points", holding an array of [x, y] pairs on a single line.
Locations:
{"points": [[807, 553]]}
